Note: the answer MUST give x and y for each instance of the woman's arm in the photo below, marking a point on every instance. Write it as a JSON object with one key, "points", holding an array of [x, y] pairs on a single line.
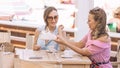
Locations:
{"points": [[73, 45], [76, 46], [64, 35]]}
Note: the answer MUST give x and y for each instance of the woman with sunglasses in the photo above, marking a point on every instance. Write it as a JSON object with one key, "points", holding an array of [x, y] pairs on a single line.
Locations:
{"points": [[95, 44], [51, 19]]}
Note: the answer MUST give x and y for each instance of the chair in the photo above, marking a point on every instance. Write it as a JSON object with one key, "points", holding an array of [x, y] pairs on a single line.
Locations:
{"points": [[29, 41], [5, 42], [6, 58], [5, 36], [116, 64]]}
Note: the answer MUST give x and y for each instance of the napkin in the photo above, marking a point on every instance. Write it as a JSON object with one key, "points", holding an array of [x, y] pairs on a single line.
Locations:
{"points": [[47, 36]]}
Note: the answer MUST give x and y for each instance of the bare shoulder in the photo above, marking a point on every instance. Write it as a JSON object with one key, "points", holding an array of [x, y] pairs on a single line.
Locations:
{"points": [[104, 38]]}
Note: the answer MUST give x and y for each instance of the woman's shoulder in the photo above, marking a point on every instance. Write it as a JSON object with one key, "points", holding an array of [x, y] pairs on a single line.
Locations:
{"points": [[105, 39], [42, 27], [102, 42]]}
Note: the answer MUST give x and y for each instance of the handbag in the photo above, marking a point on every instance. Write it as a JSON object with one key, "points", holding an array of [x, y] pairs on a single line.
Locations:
{"points": [[6, 47], [6, 60], [6, 55]]}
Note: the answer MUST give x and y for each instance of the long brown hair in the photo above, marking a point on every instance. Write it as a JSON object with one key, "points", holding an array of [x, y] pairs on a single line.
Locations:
{"points": [[100, 18], [47, 12]]}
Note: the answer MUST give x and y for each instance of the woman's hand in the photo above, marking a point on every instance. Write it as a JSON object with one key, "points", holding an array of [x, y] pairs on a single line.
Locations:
{"points": [[36, 48], [61, 37], [60, 29], [61, 40]]}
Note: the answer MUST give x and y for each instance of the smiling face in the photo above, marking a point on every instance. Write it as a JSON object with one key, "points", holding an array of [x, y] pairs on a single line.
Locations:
{"points": [[52, 18], [91, 22]]}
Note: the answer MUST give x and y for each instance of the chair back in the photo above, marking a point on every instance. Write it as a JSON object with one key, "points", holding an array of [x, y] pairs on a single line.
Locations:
{"points": [[5, 37], [29, 41], [116, 54]]}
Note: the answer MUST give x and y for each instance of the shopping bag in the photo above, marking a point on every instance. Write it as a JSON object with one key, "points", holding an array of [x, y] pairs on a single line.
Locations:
{"points": [[6, 60], [6, 47]]}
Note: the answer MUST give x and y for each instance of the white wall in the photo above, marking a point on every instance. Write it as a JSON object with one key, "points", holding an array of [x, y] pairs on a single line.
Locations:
{"points": [[81, 17]]}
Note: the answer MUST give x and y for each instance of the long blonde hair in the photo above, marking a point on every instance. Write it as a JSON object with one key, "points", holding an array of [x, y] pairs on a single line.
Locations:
{"points": [[100, 19]]}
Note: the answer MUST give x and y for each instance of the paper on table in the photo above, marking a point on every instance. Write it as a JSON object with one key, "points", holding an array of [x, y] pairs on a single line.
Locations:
{"points": [[47, 36], [67, 54], [24, 53], [19, 52]]}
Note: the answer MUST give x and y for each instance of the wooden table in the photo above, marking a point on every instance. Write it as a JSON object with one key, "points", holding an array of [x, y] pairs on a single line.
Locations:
{"points": [[50, 60]]}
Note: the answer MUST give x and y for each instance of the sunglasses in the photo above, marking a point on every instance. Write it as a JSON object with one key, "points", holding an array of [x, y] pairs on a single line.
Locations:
{"points": [[51, 18]]}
